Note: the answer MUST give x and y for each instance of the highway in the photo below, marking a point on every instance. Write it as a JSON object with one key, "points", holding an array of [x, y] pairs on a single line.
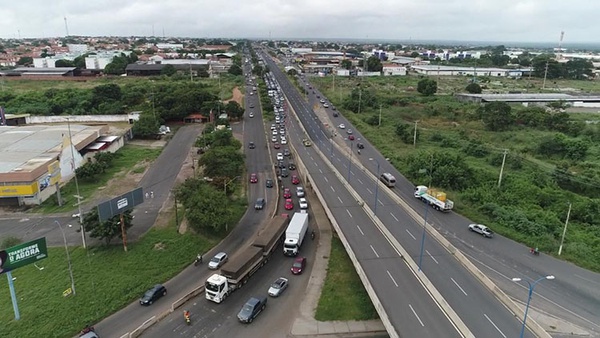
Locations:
{"points": [[575, 293], [475, 305]]}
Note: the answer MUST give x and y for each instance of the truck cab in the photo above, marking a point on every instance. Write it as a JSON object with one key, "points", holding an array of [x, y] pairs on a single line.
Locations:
{"points": [[216, 288]]}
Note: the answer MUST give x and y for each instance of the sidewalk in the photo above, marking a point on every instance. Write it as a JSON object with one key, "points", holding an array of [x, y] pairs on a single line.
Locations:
{"points": [[305, 324]]}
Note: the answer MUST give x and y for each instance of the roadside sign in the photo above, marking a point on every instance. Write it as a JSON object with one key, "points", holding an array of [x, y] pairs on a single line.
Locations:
{"points": [[120, 204], [23, 254]]}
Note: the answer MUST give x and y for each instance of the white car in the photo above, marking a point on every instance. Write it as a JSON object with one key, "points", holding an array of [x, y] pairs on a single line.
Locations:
{"points": [[303, 203], [299, 192], [482, 230], [273, 138], [216, 262], [342, 126], [283, 140], [274, 132], [279, 157], [251, 114], [278, 287], [273, 126]]}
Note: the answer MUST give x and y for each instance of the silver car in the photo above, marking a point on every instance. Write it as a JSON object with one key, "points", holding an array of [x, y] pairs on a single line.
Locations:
{"points": [[216, 262], [278, 287]]}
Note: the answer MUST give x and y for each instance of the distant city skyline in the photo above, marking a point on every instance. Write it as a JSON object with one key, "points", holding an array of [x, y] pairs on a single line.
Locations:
{"points": [[525, 21]]}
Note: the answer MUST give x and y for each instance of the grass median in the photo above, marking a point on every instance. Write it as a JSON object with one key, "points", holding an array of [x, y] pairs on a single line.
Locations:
{"points": [[343, 296], [106, 280]]}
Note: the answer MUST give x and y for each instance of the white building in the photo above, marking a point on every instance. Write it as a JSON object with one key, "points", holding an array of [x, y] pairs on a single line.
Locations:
{"points": [[391, 70], [435, 70], [100, 60], [172, 46]]}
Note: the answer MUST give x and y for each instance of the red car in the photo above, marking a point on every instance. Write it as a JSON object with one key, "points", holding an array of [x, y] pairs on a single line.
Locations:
{"points": [[351, 137], [276, 146], [295, 179], [298, 266], [289, 205], [287, 193], [253, 178]]}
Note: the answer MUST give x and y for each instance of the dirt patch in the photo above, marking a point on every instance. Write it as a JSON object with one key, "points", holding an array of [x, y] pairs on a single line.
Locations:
{"points": [[237, 96]]}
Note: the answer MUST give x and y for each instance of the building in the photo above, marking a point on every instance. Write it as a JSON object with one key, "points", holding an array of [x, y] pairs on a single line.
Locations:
{"points": [[37, 158], [43, 72], [583, 101], [436, 70], [392, 70]]}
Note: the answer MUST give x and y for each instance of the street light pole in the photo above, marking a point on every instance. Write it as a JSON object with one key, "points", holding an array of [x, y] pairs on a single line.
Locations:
{"points": [[376, 185], [79, 198], [564, 230], [68, 258], [379, 124], [423, 235], [531, 287], [350, 160]]}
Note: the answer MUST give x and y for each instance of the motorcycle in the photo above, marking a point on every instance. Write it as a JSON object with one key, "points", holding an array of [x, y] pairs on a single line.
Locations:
{"points": [[186, 315], [87, 329], [312, 235], [198, 260], [534, 252]]}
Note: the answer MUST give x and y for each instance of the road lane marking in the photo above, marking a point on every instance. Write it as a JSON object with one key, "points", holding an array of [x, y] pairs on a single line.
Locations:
{"points": [[436, 262], [392, 278], [375, 252], [320, 171], [411, 235], [359, 229], [413, 311], [395, 217], [342, 202], [332, 189], [369, 190], [348, 211], [359, 181], [458, 286], [488, 318], [325, 178], [378, 200]]}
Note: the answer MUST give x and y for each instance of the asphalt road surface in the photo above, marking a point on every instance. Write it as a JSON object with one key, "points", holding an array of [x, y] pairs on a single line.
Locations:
{"points": [[476, 306], [575, 293]]}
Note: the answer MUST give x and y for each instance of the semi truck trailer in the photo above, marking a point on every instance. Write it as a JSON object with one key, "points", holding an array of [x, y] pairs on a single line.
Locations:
{"points": [[295, 233], [245, 263]]}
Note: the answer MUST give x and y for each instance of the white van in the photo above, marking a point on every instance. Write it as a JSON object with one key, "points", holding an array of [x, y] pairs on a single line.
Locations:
{"points": [[388, 179]]}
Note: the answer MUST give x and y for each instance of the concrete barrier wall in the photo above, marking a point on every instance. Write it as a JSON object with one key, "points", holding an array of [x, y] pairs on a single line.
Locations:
{"points": [[80, 118]]}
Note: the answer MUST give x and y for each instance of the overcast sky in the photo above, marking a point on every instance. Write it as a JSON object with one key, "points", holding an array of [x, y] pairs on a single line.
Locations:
{"points": [[465, 20]]}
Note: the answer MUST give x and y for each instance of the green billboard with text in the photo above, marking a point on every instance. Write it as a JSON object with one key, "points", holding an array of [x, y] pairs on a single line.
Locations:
{"points": [[23, 254]]}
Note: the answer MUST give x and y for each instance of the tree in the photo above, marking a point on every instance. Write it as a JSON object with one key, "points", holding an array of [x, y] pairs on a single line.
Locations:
{"points": [[427, 87], [346, 64], [64, 63], [222, 161], [146, 126], [203, 73], [442, 169], [406, 132], [374, 64], [234, 109], [168, 70], [497, 116], [25, 60], [106, 93], [292, 72], [473, 88], [579, 69], [235, 70], [108, 229], [206, 207], [548, 62]]}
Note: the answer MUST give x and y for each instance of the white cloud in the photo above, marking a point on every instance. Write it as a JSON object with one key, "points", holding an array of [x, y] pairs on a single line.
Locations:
{"points": [[487, 20]]}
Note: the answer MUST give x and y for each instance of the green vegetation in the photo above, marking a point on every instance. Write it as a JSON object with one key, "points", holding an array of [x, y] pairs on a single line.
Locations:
{"points": [[343, 296], [553, 157], [106, 280], [128, 158]]}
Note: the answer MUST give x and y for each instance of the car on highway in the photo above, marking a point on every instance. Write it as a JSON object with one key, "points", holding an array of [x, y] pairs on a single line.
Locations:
{"points": [[269, 183], [342, 126], [280, 164], [286, 152], [152, 295], [251, 114], [283, 140], [253, 178], [335, 114], [299, 192], [287, 193], [360, 145], [322, 101], [291, 166], [251, 145], [481, 229], [260, 203], [283, 172], [351, 137], [253, 307], [273, 138], [279, 156], [349, 131], [295, 179], [289, 204], [251, 105], [298, 265], [306, 143], [273, 127], [89, 334], [325, 105], [303, 203], [274, 132], [218, 260], [333, 108], [276, 145], [278, 286]]}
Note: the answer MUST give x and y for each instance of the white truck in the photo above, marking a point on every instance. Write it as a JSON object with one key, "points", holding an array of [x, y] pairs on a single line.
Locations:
{"points": [[295, 233], [435, 198], [238, 270]]}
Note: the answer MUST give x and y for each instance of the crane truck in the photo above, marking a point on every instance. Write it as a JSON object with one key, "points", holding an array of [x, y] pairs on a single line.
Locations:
{"points": [[294, 234], [238, 270], [435, 198]]}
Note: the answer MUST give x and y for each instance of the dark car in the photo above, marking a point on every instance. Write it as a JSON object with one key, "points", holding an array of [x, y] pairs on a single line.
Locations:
{"points": [[291, 166], [251, 309], [153, 294], [260, 203], [298, 265], [360, 145], [284, 172], [251, 145], [269, 183], [286, 152], [335, 114]]}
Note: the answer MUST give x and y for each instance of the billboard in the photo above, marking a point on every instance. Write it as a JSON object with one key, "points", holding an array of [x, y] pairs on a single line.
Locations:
{"points": [[23, 254], [120, 204], [19, 190]]}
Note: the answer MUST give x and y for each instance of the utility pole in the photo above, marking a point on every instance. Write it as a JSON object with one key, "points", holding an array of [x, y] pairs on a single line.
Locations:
{"points": [[415, 134], [359, 98], [502, 168], [545, 75], [562, 240], [379, 124]]}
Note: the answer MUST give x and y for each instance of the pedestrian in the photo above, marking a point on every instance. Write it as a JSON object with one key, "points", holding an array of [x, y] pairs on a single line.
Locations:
{"points": [[146, 195], [152, 194]]}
